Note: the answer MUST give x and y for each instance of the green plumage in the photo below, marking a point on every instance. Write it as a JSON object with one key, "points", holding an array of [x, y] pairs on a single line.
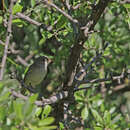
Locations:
{"points": [[36, 72]]}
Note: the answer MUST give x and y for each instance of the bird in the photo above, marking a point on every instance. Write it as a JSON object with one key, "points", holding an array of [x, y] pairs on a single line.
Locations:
{"points": [[36, 72]]}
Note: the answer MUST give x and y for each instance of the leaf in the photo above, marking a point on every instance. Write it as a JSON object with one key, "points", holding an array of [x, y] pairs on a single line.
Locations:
{"points": [[116, 119], [126, 5], [28, 110], [2, 113], [12, 62], [46, 111], [46, 121], [33, 3], [18, 109], [38, 111], [19, 22], [33, 98], [4, 96], [84, 113], [107, 117], [96, 115], [17, 8], [112, 110], [61, 22], [14, 128], [48, 128], [1, 19], [42, 40], [43, 128], [61, 126], [97, 128]]}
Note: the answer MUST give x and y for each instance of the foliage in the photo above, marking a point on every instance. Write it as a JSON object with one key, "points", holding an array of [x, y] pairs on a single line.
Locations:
{"points": [[19, 114], [93, 108]]}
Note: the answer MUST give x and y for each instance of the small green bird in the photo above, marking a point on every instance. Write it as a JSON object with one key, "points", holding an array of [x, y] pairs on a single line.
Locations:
{"points": [[37, 72]]}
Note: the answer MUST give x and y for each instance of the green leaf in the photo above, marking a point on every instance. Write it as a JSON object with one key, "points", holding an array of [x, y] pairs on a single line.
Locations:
{"points": [[14, 128], [79, 96], [28, 110], [17, 8], [61, 22], [48, 128], [107, 117], [46, 111], [84, 113], [33, 3], [19, 22], [2, 113], [42, 40], [46, 121], [12, 62], [8, 121], [97, 128], [38, 111], [4, 96], [18, 109], [33, 98], [96, 115], [43, 127], [112, 110], [116, 119], [126, 5], [61, 126], [1, 19]]}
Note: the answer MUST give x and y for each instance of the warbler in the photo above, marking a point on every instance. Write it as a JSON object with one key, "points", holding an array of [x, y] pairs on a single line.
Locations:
{"points": [[37, 72]]}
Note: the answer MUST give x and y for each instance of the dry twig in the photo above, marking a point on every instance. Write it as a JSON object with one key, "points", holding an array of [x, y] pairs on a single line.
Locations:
{"points": [[61, 11], [9, 29]]}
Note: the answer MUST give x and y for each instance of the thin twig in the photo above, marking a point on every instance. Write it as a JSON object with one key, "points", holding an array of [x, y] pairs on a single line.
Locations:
{"points": [[91, 62], [13, 50], [21, 60], [34, 22], [100, 81], [22, 16], [7, 40], [95, 80], [119, 87], [61, 11], [2, 43]]}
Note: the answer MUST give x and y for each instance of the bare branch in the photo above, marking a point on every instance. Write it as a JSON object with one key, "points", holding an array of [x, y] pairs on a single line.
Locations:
{"points": [[32, 21], [22, 16], [51, 100], [95, 80], [117, 78], [21, 60], [117, 88], [9, 29], [2, 43], [61, 11], [13, 50], [78, 46], [91, 62]]}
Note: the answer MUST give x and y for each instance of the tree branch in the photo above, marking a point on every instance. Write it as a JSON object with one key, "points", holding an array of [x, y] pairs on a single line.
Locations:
{"points": [[61, 11], [43, 102], [78, 46], [9, 29]]}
